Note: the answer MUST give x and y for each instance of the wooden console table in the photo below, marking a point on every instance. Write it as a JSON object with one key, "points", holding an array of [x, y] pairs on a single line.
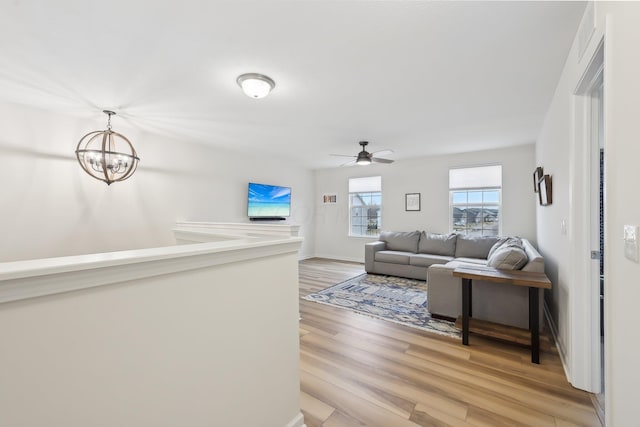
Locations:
{"points": [[534, 281]]}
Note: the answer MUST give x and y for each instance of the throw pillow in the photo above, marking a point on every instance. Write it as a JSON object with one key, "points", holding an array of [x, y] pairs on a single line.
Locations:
{"points": [[405, 241], [504, 242], [437, 244], [474, 246], [508, 258]]}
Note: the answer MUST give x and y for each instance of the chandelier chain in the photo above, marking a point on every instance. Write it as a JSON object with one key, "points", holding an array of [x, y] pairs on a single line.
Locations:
{"points": [[109, 114]]}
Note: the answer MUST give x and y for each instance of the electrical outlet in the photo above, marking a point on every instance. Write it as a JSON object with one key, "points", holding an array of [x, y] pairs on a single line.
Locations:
{"points": [[631, 242]]}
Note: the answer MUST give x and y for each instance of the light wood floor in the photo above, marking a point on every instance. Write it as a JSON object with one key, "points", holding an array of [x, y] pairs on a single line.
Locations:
{"points": [[356, 370]]}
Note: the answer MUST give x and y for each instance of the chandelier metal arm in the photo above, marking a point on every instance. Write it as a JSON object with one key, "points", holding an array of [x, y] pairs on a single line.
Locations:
{"points": [[103, 157]]}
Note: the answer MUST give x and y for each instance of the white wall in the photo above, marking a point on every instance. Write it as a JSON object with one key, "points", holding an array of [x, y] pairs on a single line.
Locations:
{"points": [[618, 23], [622, 151], [428, 176], [553, 153], [50, 207], [192, 336]]}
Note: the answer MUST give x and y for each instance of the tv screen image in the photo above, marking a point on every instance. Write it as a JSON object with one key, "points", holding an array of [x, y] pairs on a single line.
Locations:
{"points": [[268, 201]]}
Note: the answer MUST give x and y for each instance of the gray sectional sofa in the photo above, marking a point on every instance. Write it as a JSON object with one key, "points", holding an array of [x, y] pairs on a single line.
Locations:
{"points": [[433, 257]]}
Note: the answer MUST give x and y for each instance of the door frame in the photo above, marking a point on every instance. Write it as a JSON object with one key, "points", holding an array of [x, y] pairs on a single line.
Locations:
{"points": [[585, 365]]}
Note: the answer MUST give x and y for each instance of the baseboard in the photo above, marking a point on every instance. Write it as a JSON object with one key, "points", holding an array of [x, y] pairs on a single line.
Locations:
{"points": [[339, 258], [297, 421], [554, 333]]}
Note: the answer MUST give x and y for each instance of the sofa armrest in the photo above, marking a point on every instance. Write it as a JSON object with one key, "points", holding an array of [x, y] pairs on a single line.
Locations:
{"points": [[535, 261], [445, 291], [370, 250]]}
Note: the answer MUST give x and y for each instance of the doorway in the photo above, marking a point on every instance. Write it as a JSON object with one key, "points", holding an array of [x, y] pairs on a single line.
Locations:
{"points": [[588, 242], [597, 217]]}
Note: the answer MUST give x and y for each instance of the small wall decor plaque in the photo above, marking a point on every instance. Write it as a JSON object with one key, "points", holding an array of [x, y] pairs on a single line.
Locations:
{"points": [[544, 190], [329, 199], [537, 175], [412, 202]]}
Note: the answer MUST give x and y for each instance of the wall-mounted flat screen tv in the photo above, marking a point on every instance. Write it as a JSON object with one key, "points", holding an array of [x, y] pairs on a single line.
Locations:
{"points": [[268, 201]]}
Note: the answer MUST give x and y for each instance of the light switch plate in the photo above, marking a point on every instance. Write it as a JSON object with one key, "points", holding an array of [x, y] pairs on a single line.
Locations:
{"points": [[631, 242]]}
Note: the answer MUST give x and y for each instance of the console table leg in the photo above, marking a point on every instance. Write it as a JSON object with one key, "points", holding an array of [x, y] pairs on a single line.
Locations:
{"points": [[534, 317], [466, 309], [470, 311]]}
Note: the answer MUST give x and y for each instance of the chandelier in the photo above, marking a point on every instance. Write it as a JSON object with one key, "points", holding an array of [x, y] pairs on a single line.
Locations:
{"points": [[107, 155]]}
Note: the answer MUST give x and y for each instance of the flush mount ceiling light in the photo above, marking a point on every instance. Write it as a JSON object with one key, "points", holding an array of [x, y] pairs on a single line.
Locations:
{"points": [[255, 85], [107, 155]]}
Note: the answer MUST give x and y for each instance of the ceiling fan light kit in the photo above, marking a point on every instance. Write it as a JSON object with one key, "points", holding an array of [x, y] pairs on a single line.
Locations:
{"points": [[363, 159], [255, 85]]}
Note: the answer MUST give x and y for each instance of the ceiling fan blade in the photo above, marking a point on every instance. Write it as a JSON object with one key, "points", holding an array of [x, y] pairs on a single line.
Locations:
{"points": [[352, 162], [382, 152], [341, 155], [379, 160]]}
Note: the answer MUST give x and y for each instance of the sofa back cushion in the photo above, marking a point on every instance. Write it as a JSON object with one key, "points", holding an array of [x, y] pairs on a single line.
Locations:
{"points": [[406, 241], [437, 244], [474, 246]]}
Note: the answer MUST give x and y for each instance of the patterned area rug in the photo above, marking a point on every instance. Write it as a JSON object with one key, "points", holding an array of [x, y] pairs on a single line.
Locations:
{"points": [[395, 299]]}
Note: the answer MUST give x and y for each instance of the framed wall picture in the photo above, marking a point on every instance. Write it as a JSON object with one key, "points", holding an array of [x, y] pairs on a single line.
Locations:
{"points": [[544, 190], [537, 176], [329, 199], [412, 202]]}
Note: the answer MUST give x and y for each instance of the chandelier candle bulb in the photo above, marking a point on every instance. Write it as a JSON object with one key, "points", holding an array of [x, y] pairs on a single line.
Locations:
{"points": [[98, 154]]}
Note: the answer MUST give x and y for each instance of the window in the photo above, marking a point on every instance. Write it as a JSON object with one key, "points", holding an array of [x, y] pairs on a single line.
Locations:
{"points": [[365, 206], [475, 200]]}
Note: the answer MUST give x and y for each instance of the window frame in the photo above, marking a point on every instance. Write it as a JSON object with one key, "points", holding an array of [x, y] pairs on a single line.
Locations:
{"points": [[377, 193], [480, 205]]}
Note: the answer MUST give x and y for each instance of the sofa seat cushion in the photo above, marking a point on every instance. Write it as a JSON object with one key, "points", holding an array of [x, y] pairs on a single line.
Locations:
{"points": [[474, 261], [450, 266], [395, 257], [401, 240], [437, 244], [474, 246], [425, 260]]}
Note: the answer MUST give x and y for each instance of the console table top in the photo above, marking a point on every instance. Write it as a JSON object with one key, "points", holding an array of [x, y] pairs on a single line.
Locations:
{"points": [[513, 277]]}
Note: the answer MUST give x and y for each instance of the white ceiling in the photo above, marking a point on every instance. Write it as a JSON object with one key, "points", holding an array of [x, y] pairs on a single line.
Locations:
{"points": [[417, 77]]}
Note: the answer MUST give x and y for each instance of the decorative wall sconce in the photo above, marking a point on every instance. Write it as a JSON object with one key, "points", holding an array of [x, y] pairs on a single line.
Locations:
{"points": [[107, 155]]}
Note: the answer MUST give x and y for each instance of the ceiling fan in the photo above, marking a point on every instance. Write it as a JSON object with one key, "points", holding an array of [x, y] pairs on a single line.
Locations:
{"points": [[365, 158]]}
